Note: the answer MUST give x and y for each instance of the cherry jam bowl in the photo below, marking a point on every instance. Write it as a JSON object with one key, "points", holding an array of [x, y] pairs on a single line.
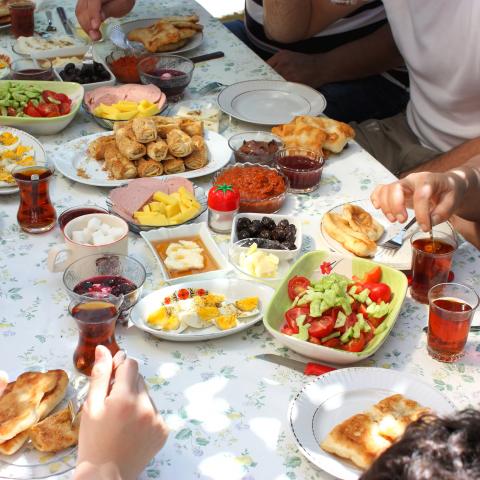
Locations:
{"points": [[302, 167], [171, 73], [78, 211], [106, 273]]}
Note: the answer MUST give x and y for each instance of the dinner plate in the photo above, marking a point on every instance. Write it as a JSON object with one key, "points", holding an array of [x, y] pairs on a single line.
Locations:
{"points": [[71, 158], [5, 71], [118, 35], [270, 102], [401, 258], [233, 290], [335, 396], [24, 139]]}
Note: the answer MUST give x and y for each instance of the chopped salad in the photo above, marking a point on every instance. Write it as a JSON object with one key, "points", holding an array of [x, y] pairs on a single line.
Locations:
{"points": [[336, 311]]}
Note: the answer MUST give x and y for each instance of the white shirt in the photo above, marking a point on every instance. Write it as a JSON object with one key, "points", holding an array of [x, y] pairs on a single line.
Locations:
{"points": [[440, 42]]}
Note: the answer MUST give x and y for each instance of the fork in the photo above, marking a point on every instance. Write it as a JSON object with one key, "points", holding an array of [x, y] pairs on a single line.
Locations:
{"points": [[396, 242], [211, 87], [88, 57]]}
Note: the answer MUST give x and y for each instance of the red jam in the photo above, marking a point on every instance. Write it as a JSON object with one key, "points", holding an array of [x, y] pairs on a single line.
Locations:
{"points": [[303, 173]]}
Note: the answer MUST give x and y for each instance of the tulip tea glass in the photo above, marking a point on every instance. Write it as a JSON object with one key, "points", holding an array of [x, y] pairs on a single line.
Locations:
{"points": [[452, 306]]}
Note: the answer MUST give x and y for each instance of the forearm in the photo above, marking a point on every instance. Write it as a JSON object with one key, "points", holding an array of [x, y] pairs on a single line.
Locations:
{"points": [[87, 471], [370, 55], [469, 176]]}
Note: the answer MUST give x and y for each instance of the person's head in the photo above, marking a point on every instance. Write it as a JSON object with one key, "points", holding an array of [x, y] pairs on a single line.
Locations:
{"points": [[433, 448]]}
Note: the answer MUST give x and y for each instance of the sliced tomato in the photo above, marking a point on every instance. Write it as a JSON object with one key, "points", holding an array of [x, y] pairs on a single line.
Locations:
{"points": [[297, 285], [373, 276], [369, 335], [376, 321], [292, 314], [314, 340], [48, 110], [379, 292], [333, 343], [355, 344], [363, 310], [287, 330], [322, 327], [65, 108], [350, 322], [31, 111], [11, 112]]}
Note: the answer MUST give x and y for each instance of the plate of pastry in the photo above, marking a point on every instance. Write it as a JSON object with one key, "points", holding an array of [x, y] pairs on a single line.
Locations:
{"points": [[270, 102], [202, 310], [374, 405], [172, 34], [357, 228], [143, 147], [40, 440]]}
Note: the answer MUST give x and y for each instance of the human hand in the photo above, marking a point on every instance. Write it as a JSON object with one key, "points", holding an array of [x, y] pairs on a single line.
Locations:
{"points": [[297, 67], [434, 196], [120, 430], [91, 13]]}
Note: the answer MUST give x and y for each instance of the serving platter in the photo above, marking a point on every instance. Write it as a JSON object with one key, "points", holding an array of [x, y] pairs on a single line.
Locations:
{"points": [[233, 290], [335, 396], [401, 258], [72, 156], [118, 35], [270, 102]]}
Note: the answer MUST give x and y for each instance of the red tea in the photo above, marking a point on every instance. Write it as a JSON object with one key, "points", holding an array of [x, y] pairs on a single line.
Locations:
{"points": [[448, 327], [431, 264], [22, 18], [96, 322], [36, 213]]}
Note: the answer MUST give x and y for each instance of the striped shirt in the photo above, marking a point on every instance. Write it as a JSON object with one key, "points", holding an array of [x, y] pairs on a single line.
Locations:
{"points": [[364, 20]]}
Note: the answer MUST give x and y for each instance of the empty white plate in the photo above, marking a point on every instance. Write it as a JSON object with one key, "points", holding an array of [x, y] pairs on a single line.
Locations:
{"points": [[270, 102]]}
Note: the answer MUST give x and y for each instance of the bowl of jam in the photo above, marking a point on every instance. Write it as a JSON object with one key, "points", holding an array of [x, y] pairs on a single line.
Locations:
{"points": [[171, 73], [109, 274], [302, 167], [255, 147]]}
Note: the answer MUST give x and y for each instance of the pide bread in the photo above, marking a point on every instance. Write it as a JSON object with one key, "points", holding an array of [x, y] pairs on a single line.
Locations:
{"points": [[364, 436], [361, 221]]}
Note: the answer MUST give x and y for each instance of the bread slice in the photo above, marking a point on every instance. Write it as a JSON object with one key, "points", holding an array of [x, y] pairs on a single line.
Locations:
{"points": [[360, 220], [363, 437], [55, 433]]}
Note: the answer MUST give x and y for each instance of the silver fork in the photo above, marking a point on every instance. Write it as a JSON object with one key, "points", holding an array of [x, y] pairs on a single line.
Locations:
{"points": [[88, 57], [396, 242]]}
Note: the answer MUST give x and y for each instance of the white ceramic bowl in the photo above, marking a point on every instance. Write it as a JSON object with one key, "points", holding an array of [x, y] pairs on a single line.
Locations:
{"points": [[90, 86], [282, 254], [185, 232]]}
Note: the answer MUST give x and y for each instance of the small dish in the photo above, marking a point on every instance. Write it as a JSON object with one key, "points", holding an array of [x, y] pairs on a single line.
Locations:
{"points": [[238, 249], [187, 232], [281, 253], [270, 203], [171, 73], [89, 86], [123, 64], [265, 153], [30, 69], [78, 211]]}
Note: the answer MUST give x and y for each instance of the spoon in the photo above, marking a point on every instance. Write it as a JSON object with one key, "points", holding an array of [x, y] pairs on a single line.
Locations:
{"points": [[50, 27]]}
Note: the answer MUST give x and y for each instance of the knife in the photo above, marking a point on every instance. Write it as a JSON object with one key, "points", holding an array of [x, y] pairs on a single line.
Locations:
{"points": [[309, 368], [207, 56], [63, 18]]}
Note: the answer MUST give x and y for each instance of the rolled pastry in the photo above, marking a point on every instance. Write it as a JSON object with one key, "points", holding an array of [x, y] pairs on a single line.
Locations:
{"points": [[191, 127], [96, 148], [149, 168], [198, 142], [173, 165], [179, 143], [165, 124], [157, 150], [127, 145], [199, 157], [118, 165], [144, 129]]}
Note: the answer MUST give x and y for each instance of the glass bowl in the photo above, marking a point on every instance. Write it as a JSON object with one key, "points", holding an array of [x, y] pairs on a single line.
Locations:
{"points": [[262, 156], [238, 252], [266, 203], [106, 265], [127, 73], [171, 73], [29, 69]]}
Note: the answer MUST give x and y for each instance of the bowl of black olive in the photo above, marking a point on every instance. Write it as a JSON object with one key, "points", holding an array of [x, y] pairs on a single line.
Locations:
{"points": [[282, 234], [90, 76]]}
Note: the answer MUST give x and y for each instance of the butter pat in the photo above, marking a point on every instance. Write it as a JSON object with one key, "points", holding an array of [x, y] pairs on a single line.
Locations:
{"points": [[258, 263]]}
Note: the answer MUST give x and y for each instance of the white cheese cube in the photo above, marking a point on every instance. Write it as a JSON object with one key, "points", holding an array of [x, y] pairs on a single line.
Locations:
{"points": [[78, 237], [105, 228], [94, 224]]}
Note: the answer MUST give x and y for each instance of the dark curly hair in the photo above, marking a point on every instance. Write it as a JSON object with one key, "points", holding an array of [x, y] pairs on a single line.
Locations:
{"points": [[433, 448]]}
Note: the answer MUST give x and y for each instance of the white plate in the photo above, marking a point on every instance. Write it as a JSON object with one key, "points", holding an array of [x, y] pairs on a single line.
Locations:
{"points": [[79, 48], [270, 102], [333, 397], [400, 259], [24, 139], [186, 231], [70, 156], [118, 35], [5, 71], [232, 289]]}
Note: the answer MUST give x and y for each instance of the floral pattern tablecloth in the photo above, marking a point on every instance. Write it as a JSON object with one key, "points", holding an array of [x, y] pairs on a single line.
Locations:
{"points": [[227, 410]]}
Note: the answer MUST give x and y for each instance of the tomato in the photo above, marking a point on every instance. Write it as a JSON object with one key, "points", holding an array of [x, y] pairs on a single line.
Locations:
{"points": [[223, 198], [333, 343], [292, 314], [287, 330], [379, 292], [11, 112], [363, 310], [350, 322], [48, 110], [373, 276], [376, 321], [31, 111], [64, 108], [322, 327], [355, 344], [54, 97], [314, 340], [297, 285]]}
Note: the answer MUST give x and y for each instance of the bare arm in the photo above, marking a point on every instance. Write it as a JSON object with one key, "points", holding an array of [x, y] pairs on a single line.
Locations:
{"points": [[289, 21]]}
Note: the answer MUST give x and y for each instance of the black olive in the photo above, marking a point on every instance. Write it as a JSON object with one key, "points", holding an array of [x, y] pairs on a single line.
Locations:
{"points": [[69, 66], [242, 234], [243, 223], [255, 228], [279, 234], [289, 245], [283, 223], [292, 228], [265, 234], [104, 75], [268, 223], [290, 237]]}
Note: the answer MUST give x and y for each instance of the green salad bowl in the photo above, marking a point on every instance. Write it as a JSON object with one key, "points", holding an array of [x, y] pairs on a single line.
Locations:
{"points": [[309, 266]]}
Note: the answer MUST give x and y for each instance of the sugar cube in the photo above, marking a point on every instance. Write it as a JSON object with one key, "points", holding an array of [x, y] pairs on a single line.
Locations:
{"points": [[116, 232], [94, 224], [98, 238], [87, 236], [78, 237], [105, 228]]}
